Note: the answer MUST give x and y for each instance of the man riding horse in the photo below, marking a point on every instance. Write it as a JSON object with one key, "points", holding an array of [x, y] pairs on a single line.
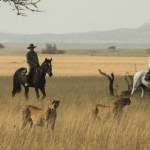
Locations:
{"points": [[36, 74], [32, 61]]}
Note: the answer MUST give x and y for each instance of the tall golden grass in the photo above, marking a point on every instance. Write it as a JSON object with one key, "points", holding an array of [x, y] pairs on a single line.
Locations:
{"points": [[74, 129], [64, 65]]}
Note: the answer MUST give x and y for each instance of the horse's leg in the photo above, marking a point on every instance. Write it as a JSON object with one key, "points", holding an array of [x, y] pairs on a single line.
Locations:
{"points": [[43, 92], [143, 91], [26, 92], [37, 92], [13, 94]]}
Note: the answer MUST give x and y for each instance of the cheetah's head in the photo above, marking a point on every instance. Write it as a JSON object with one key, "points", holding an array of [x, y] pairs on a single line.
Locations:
{"points": [[54, 104], [122, 102], [127, 101]]}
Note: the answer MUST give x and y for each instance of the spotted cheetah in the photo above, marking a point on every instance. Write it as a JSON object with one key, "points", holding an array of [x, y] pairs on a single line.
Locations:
{"points": [[115, 109], [39, 117]]}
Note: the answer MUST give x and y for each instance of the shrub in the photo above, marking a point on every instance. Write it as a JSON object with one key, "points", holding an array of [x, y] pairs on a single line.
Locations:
{"points": [[2, 46], [51, 49]]}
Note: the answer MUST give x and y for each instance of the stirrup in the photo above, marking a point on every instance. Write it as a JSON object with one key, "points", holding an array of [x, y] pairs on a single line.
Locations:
{"points": [[26, 84]]}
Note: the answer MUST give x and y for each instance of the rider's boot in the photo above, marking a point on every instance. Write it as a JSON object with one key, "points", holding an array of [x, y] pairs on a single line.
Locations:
{"points": [[26, 80]]}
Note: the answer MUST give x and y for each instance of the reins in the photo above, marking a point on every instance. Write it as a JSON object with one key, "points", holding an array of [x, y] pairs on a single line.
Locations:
{"points": [[41, 70]]}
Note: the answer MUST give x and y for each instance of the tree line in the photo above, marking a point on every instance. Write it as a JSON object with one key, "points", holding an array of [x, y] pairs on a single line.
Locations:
{"points": [[1, 46], [51, 49]]}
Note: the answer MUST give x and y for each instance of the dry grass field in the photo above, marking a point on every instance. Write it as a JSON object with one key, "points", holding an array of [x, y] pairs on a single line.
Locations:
{"points": [[75, 129], [71, 65], [79, 86]]}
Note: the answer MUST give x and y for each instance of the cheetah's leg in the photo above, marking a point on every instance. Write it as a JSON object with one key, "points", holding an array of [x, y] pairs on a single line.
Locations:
{"points": [[31, 123], [53, 124], [46, 124], [118, 116], [24, 124]]}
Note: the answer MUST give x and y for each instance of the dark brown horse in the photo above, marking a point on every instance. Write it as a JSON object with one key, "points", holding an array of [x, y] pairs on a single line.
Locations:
{"points": [[36, 79]]}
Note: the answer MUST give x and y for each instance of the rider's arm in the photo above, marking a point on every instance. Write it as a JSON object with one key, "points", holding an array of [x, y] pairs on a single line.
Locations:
{"points": [[37, 60]]}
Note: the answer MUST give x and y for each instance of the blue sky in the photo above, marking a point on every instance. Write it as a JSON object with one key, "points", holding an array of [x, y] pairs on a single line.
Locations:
{"points": [[71, 16]]}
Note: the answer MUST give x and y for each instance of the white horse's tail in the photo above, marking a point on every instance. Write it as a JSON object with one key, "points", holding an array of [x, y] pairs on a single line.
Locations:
{"points": [[137, 80]]}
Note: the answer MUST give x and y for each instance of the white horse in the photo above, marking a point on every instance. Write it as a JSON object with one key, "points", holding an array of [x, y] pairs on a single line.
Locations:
{"points": [[139, 81]]}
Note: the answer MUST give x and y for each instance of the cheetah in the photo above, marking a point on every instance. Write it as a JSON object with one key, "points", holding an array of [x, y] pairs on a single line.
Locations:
{"points": [[40, 117], [114, 110]]}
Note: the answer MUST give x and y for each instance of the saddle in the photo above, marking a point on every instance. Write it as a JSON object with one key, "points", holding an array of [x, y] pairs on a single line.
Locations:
{"points": [[29, 78], [147, 76], [23, 73]]}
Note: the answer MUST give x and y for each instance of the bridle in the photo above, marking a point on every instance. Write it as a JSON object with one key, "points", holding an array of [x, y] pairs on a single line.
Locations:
{"points": [[47, 68], [43, 70]]}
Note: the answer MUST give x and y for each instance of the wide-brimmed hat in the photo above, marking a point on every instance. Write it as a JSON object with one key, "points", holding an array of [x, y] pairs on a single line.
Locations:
{"points": [[31, 46]]}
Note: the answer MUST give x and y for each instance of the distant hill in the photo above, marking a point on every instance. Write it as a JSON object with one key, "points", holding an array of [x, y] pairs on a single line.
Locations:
{"points": [[120, 37]]}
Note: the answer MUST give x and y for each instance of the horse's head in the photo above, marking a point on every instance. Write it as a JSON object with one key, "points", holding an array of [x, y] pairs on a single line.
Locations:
{"points": [[47, 66]]}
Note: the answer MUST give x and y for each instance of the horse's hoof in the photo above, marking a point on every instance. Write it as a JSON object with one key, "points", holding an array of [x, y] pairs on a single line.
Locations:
{"points": [[43, 97]]}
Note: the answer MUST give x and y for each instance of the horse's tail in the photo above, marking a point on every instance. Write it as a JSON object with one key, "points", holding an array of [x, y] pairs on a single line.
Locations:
{"points": [[16, 85], [137, 81]]}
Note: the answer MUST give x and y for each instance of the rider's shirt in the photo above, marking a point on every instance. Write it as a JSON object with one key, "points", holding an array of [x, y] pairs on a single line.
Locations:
{"points": [[32, 58]]}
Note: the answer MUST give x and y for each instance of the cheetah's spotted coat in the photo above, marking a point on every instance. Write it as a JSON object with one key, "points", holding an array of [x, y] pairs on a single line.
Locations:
{"points": [[114, 110], [40, 117]]}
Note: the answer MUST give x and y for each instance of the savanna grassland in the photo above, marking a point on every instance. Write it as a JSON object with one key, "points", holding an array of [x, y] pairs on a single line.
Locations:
{"points": [[78, 65], [78, 85]]}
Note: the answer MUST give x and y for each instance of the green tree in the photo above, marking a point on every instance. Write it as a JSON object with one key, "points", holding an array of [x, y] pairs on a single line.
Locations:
{"points": [[148, 50], [1, 46], [54, 47], [21, 5], [51, 49], [112, 48]]}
